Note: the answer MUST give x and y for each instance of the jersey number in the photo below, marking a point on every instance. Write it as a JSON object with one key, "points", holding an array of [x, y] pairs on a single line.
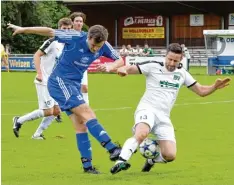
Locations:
{"points": [[143, 117]]}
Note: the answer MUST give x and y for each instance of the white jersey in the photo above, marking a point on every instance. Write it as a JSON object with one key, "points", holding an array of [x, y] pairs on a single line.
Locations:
{"points": [[52, 50], [162, 86]]}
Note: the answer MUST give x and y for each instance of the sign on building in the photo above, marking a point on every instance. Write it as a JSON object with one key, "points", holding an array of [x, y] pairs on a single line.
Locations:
{"points": [[196, 20], [231, 19], [140, 27]]}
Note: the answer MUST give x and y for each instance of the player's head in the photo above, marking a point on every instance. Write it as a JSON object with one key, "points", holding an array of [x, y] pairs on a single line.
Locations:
{"points": [[97, 35], [65, 24], [174, 56], [78, 19]]}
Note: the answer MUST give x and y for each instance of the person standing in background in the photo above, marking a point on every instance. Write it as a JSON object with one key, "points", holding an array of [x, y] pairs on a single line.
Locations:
{"points": [[186, 54]]}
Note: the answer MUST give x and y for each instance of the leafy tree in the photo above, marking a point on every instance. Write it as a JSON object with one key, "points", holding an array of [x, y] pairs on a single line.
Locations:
{"points": [[29, 13]]}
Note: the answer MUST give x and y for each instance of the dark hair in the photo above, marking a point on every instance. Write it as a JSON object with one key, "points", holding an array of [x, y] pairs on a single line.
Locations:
{"points": [[175, 48], [64, 21], [98, 32], [78, 14]]}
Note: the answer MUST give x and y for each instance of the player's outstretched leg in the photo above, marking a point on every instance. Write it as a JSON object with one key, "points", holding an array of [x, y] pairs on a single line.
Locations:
{"points": [[128, 149], [101, 135], [18, 121], [45, 123], [119, 166], [38, 137], [16, 126]]}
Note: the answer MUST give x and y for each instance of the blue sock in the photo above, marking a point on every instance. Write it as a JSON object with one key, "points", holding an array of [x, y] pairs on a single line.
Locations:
{"points": [[84, 146], [100, 134]]}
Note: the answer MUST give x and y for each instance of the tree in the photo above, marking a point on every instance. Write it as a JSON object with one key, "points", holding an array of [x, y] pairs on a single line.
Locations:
{"points": [[29, 13]]}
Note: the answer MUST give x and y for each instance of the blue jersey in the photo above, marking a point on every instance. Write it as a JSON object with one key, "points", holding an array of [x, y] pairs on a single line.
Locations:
{"points": [[64, 82], [76, 56]]}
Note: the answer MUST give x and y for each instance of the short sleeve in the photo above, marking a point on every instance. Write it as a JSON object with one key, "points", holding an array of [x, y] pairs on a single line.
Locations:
{"points": [[110, 52], [189, 80], [67, 36], [47, 46], [146, 67]]}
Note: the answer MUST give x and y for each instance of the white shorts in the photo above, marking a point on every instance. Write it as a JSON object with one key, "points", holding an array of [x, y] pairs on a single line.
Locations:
{"points": [[160, 126], [45, 101], [84, 80]]}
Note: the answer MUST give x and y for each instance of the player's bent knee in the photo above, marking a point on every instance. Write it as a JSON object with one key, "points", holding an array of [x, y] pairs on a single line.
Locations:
{"points": [[48, 112], [140, 136], [141, 132], [169, 156], [56, 111], [81, 128], [84, 88]]}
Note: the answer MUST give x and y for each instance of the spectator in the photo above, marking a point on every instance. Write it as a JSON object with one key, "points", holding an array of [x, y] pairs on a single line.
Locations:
{"points": [[138, 51], [147, 51], [8, 49], [4, 58], [186, 54], [123, 52], [130, 50]]}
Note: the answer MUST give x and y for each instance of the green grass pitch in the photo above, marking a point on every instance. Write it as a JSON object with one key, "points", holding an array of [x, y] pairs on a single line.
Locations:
{"points": [[204, 131]]}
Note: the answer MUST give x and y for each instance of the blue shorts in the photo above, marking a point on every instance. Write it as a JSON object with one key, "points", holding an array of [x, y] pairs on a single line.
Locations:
{"points": [[67, 93]]}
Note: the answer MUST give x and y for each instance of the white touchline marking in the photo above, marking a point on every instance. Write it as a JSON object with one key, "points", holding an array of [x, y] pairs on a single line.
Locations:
{"points": [[19, 101], [124, 108], [109, 109], [204, 103], [102, 109]]}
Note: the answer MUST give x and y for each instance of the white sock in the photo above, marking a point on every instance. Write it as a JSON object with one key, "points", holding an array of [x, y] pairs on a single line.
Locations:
{"points": [[31, 116], [128, 149], [86, 97], [158, 159], [45, 123]]}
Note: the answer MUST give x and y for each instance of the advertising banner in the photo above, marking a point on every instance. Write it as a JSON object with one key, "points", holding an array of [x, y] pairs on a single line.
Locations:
{"points": [[20, 64], [144, 32], [140, 27]]}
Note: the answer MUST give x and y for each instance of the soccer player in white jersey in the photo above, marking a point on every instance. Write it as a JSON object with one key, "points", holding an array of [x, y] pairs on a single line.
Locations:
{"points": [[163, 80], [78, 20], [44, 59]]}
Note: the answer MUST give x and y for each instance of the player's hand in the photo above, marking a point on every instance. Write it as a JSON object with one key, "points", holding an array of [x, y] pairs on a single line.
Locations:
{"points": [[103, 68], [39, 77], [122, 71], [221, 83], [16, 29]]}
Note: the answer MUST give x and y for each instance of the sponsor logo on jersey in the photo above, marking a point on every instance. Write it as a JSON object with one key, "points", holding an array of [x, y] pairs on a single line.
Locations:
{"points": [[176, 77], [167, 84], [81, 50], [84, 60]]}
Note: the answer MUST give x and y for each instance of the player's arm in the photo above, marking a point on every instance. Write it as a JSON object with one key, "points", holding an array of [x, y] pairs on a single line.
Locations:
{"points": [[140, 68], [37, 61], [112, 67], [45, 31], [204, 90], [125, 70], [109, 52]]}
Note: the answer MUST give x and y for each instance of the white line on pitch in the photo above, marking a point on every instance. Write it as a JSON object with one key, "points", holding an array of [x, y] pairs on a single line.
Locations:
{"points": [[124, 108]]}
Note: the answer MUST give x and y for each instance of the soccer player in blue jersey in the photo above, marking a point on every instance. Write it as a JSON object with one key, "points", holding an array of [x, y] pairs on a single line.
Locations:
{"points": [[80, 50]]}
